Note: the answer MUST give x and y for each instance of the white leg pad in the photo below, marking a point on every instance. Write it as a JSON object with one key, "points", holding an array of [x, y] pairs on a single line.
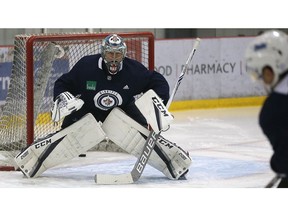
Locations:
{"points": [[126, 133], [60, 147], [179, 158]]}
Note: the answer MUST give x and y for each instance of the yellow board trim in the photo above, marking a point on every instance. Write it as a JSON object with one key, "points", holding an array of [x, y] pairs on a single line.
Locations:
{"points": [[217, 103]]}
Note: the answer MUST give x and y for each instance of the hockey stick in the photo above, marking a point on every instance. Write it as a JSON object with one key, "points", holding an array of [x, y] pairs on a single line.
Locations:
{"points": [[138, 168], [142, 160], [195, 46], [274, 181]]}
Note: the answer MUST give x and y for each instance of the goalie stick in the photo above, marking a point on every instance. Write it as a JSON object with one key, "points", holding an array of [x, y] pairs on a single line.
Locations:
{"points": [[142, 160], [195, 46]]}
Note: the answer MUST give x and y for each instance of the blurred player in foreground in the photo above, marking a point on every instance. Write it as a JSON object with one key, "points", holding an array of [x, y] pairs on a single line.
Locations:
{"points": [[267, 61]]}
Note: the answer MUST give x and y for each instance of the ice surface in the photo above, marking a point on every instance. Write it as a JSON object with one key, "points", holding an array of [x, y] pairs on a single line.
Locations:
{"points": [[227, 147]]}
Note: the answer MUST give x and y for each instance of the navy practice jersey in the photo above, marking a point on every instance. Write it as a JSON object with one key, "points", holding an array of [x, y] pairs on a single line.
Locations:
{"points": [[273, 120], [274, 123], [102, 91]]}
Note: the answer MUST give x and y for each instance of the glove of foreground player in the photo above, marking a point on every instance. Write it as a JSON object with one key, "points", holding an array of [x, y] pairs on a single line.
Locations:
{"points": [[64, 105]]}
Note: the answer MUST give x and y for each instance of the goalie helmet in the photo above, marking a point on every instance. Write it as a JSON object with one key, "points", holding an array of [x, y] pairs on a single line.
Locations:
{"points": [[267, 50], [113, 51]]}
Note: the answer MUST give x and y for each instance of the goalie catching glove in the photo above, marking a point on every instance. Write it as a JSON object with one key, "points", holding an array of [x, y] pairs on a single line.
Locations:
{"points": [[64, 105]]}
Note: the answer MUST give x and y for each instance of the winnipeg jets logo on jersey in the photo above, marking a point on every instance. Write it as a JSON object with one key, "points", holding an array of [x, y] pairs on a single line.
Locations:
{"points": [[107, 99]]}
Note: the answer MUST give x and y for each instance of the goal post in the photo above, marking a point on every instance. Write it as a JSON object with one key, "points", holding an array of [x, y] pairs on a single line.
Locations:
{"points": [[38, 61]]}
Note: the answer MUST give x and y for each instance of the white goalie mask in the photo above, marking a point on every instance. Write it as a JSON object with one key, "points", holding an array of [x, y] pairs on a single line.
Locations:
{"points": [[267, 50], [113, 51]]}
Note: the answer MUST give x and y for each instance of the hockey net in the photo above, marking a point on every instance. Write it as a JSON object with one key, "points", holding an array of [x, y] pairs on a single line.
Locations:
{"points": [[38, 61]]}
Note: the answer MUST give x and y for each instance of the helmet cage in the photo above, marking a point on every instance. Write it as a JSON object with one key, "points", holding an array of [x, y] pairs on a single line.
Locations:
{"points": [[113, 51]]}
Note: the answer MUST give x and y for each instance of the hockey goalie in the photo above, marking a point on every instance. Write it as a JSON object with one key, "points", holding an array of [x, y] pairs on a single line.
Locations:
{"points": [[97, 100]]}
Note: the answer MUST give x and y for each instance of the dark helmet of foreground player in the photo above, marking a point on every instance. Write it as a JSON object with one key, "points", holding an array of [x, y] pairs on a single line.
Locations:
{"points": [[113, 51]]}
